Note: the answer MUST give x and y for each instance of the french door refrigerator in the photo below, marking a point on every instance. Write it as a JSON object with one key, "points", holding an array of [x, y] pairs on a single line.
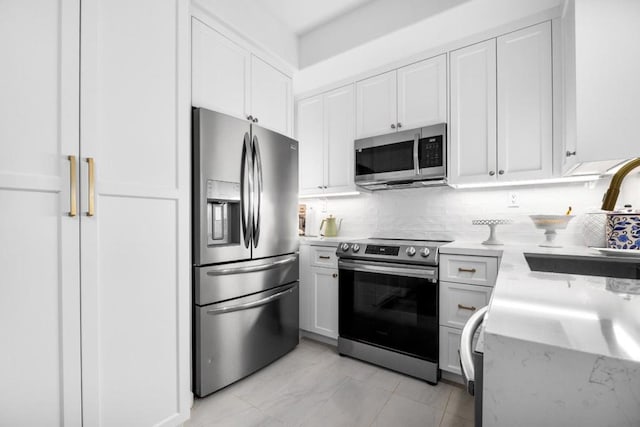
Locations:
{"points": [[245, 248]]}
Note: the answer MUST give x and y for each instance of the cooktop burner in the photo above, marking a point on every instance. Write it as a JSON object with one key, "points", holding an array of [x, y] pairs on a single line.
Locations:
{"points": [[423, 252]]}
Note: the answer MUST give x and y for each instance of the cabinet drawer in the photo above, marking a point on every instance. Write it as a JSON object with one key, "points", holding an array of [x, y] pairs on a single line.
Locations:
{"points": [[323, 256], [458, 302], [475, 270], [449, 346]]}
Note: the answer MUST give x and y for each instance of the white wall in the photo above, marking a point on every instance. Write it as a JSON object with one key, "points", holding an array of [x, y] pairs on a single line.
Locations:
{"points": [[250, 20], [365, 23], [443, 212], [463, 21]]}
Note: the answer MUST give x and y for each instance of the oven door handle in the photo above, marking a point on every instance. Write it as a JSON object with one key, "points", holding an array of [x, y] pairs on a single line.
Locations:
{"points": [[466, 348], [421, 273]]}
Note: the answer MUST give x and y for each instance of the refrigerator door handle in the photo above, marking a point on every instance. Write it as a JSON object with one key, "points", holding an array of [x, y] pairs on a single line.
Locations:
{"points": [[257, 161], [252, 304], [250, 269], [245, 202], [466, 348]]}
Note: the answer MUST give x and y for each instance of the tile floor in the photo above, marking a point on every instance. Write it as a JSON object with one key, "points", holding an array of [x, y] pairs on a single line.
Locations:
{"points": [[314, 386]]}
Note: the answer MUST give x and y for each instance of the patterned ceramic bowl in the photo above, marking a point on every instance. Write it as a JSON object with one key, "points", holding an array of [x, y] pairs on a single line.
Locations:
{"points": [[623, 230]]}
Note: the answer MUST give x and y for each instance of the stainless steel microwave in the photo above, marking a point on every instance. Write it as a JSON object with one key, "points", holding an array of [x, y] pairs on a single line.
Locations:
{"points": [[409, 158]]}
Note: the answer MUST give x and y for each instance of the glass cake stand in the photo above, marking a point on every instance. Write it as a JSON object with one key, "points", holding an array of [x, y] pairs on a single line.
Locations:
{"points": [[492, 223]]}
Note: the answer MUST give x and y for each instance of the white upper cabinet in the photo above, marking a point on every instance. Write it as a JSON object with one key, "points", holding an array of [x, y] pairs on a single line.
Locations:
{"points": [[409, 97], [473, 113], [271, 97], [501, 108], [220, 71], [339, 127], [525, 103], [422, 93], [310, 136], [228, 78], [601, 85], [376, 105], [325, 126]]}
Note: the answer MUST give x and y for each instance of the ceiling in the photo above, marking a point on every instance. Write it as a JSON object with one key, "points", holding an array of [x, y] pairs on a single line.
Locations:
{"points": [[301, 16]]}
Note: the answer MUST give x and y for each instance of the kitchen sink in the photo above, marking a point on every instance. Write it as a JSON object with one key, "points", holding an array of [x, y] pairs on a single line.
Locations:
{"points": [[624, 268]]}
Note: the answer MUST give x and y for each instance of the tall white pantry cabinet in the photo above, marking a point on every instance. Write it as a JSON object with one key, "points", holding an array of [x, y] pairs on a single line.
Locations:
{"points": [[94, 213]]}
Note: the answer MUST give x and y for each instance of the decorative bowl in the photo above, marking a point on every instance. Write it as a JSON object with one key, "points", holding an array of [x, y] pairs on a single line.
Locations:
{"points": [[551, 223]]}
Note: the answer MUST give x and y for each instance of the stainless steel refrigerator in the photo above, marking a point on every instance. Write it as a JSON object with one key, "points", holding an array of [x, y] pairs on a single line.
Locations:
{"points": [[245, 248]]}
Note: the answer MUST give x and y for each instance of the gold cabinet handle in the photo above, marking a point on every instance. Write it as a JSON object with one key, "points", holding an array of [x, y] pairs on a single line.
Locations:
{"points": [[324, 257], [466, 307], [466, 270], [92, 183], [73, 182]]}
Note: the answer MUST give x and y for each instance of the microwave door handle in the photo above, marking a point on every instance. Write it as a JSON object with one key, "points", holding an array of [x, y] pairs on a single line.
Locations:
{"points": [[257, 162], [416, 162], [466, 348], [245, 202]]}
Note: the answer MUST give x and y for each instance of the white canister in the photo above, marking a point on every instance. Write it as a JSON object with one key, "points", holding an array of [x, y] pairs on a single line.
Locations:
{"points": [[594, 229]]}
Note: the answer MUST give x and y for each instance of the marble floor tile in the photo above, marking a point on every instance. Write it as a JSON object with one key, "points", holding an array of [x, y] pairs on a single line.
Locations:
{"points": [[401, 411], [451, 420], [222, 404], [422, 392], [315, 386], [353, 404], [461, 404], [251, 417]]}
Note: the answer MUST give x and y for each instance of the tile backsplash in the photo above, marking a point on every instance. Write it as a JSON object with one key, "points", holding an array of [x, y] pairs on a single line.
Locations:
{"points": [[443, 212]]}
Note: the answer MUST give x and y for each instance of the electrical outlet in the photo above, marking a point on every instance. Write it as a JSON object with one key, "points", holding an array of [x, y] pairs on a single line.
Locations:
{"points": [[514, 199]]}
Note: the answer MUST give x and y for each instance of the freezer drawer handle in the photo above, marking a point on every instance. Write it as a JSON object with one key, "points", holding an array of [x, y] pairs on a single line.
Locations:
{"points": [[466, 344], [248, 305], [250, 269]]}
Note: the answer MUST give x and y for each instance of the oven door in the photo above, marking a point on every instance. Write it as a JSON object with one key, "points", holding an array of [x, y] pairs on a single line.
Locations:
{"points": [[394, 306]]}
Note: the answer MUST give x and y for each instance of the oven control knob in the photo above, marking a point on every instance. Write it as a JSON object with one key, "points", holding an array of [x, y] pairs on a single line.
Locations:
{"points": [[345, 247], [356, 247], [411, 251], [425, 252]]}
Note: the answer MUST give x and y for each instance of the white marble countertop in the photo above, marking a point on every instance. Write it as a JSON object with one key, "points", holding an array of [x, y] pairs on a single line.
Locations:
{"points": [[573, 312]]}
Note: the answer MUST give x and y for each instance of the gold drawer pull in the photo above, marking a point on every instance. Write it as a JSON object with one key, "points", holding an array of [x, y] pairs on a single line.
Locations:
{"points": [[324, 257], [465, 307], [466, 270]]}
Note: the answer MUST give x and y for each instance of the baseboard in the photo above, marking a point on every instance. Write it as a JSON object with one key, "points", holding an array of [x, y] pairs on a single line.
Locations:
{"points": [[320, 338]]}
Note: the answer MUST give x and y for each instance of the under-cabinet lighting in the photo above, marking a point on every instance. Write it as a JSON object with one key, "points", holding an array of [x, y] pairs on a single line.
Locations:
{"points": [[582, 178], [323, 195]]}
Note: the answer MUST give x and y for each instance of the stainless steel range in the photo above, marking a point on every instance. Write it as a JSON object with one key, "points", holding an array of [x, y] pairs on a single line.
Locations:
{"points": [[388, 304]]}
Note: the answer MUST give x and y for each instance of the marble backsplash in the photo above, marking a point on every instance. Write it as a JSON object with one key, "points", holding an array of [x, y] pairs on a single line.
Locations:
{"points": [[446, 213]]}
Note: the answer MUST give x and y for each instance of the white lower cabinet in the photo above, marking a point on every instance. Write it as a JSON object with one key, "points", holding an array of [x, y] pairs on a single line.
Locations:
{"points": [[449, 346], [459, 300], [319, 290]]}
